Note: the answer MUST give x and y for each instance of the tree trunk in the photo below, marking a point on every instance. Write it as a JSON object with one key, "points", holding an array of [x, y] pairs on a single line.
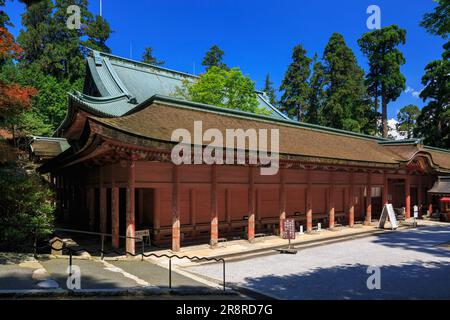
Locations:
{"points": [[384, 116]]}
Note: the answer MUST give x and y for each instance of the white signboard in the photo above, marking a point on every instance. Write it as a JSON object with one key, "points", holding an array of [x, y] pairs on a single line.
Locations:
{"points": [[388, 212], [416, 211]]}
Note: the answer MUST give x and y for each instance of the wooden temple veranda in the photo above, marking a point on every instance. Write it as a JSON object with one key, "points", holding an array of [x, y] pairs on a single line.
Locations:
{"points": [[114, 173]]}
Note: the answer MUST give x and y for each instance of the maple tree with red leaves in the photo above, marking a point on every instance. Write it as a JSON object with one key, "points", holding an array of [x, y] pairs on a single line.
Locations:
{"points": [[14, 98]]}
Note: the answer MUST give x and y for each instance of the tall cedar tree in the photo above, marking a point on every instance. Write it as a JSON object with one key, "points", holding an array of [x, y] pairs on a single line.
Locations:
{"points": [[295, 87], [384, 79], [407, 120], [346, 105], [51, 47], [148, 57], [214, 58], [434, 120], [53, 58], [270, 90], [438, 21], [317, 93]]}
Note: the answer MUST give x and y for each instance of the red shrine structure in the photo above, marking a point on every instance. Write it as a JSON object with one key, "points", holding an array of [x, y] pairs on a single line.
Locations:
{"points": [[110, 161]]}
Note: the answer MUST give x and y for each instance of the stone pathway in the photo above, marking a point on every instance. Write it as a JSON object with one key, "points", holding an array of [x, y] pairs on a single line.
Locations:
{"points": [[413, 265]]}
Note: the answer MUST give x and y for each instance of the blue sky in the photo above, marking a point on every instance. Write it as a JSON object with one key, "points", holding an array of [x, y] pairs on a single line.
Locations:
{"points": [[258, 35]]}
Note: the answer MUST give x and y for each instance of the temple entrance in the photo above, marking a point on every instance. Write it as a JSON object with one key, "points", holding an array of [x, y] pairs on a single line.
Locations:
{"points": [[396, 192]]}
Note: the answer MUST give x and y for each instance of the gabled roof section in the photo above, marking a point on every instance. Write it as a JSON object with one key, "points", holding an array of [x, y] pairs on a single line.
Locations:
{"points": [[110, 76], [167, 114]]}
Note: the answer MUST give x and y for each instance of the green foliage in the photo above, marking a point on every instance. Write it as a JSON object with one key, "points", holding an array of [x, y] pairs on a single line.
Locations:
{"points": [[317, 93], [54, 49], [214, 58], [384, 78], [148, 57], [294, 101], [433, 124], [223, 88], [407, 119], [26, 201], [4, 18], [434, 120], [98, 33], [49, 106], [53, 60], [438, 22], [346, 105], [270, 91]]}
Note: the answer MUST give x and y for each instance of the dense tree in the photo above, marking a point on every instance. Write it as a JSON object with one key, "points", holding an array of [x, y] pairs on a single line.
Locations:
{"points": [[214, 58], [148, 57], [434, 120], [14, 98], [270, 90], [384, 79], [51, 46], [224, 88], [26, 206], [98, 32], [438, 21], [4, 18], [407, 120], [433, 124], [346, 105], [53, 60], [317, 93], [295, 87]]}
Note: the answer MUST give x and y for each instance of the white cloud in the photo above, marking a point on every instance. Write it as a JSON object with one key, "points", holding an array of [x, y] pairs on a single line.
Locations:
{"points": [[392, 127], [413, 92]]}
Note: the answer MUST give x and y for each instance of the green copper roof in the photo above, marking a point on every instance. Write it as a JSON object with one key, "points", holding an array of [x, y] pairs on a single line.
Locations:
{"points": [[127, 83]]}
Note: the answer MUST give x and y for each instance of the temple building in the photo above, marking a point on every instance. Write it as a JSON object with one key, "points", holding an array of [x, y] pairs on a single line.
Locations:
{"points": [[110, 161]]}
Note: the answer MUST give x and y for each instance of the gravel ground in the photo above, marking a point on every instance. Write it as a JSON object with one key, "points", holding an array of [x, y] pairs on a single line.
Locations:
{"points": [[413, 265]]}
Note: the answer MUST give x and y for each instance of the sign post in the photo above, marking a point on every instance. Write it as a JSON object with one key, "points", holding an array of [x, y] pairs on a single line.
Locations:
{"points": [[388, 212], [289, 234], [416, 215]]}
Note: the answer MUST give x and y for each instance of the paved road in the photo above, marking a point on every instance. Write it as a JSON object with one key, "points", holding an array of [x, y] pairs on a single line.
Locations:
{"points": [[94, 274], [157, 275], [412, 265]]}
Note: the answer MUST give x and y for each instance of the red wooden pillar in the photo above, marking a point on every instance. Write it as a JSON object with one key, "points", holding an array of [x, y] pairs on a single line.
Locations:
{"points": [[102, 201], [282, 198], [228, 208], [407, 197], [369, 200], [331, 207], [130, 210], [140, 206], [156, 213], [90, 199], [114, 213], [309, 211], [351, 209], [214, 207], [251, 205], [193, 211], [385, 190], [175, 210]]}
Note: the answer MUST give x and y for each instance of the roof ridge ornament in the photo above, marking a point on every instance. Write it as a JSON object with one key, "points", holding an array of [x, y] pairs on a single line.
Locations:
{"points": [[97, 58]]}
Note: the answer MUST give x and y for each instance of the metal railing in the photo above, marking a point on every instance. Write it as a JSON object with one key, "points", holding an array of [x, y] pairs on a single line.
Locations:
{"points": [[71, 251]]}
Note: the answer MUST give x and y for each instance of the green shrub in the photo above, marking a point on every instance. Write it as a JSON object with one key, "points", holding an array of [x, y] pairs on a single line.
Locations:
{"points": [[26, 206]]}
